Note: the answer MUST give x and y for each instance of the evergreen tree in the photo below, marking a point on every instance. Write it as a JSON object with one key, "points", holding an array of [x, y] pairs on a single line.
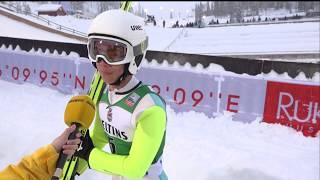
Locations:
{"points": [[310, 5], [208, 9], [217, 8], [76, 5], [301, 6], [140, 11], [252, 8], [211, 8], [196, 12], [107, 5], [27, 9], [18, 7], [201, 10], [288, 6]]}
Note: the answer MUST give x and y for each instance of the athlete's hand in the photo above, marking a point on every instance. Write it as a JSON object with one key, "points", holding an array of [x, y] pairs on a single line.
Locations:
{"points": [[85, 147]]}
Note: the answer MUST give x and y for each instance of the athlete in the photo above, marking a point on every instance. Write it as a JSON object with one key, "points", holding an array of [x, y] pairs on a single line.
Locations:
{"points": [[130, 116]]}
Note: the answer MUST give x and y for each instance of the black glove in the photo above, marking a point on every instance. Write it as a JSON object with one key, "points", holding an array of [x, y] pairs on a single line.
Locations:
{"points": [[85, 147]]}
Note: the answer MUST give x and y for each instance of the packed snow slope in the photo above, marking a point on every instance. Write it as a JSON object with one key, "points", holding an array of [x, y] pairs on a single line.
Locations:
{"points": [[229, 40]]}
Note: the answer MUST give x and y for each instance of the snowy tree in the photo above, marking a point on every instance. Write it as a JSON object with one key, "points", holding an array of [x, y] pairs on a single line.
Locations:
{"points": [[252, 8], [211, 8], [208, 9], [27, 9], [288, 6], [44, 2], [18, 7], [316, 6], [255, 8], [77, 5], [217, 8], [198, 12], [140, 12], [311, 5], [107, 5]]}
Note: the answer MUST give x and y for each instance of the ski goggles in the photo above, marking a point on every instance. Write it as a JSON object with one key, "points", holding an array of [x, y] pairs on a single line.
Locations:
{"points": [[113, 51]]}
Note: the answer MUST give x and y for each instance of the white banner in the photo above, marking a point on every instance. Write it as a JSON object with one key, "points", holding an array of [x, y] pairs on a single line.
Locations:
{"points": [[245, 96], [186, 91], [65, 73]]}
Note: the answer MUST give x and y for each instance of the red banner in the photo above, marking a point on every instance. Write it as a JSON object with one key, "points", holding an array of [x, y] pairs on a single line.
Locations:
{"points": [[293, 105]]}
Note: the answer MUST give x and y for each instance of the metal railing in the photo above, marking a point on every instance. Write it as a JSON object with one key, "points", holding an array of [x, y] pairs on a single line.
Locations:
{"points": [[60, 27]]}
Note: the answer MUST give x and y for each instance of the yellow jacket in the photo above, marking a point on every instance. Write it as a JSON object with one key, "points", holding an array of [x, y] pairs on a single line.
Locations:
{"points": [[39, 165]]}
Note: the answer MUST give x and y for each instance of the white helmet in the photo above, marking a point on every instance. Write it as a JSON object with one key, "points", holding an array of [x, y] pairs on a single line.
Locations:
{"points": [[116, 27]]}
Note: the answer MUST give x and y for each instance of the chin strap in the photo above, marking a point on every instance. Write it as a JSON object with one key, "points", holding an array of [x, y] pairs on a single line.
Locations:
{"points": [[122, 76]]}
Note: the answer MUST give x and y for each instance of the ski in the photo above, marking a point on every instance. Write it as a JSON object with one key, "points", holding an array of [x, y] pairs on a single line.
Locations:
{"points": [[97, 85]]}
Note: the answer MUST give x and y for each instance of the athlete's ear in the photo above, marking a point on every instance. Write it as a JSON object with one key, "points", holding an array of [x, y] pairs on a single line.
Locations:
{"points": [[135, 64]]}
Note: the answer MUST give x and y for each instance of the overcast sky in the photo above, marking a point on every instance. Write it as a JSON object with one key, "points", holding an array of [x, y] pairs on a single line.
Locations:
{"points": [[161, 9]]}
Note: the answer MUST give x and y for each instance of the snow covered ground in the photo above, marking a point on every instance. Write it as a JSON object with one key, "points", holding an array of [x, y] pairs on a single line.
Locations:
{"points": [[253, 39], [259, 39], [197, 147]]}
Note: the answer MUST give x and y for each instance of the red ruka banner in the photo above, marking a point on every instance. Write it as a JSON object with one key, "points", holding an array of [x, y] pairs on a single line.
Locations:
{"points": [[293, 105]]}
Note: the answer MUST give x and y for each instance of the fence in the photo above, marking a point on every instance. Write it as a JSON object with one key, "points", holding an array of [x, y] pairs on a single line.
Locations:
{"points": [[14, 9], [236, 65], [289, 102]]}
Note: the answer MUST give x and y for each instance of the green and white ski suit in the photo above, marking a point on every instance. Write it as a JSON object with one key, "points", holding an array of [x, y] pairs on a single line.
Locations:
{"points": [[133, 121]]}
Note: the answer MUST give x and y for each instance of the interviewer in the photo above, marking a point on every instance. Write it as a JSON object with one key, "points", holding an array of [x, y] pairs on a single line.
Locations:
{"points": [[41, 163]]}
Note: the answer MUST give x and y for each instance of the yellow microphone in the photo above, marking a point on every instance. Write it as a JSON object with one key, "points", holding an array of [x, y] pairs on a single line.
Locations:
{"points": [[80, 111]]}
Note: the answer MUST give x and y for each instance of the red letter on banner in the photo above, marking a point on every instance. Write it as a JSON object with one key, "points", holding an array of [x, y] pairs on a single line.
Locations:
{"points": [[230, 103]]}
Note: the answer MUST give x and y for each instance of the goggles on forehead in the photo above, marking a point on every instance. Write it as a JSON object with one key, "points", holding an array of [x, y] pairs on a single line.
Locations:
{"points": [[114, 51]]}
